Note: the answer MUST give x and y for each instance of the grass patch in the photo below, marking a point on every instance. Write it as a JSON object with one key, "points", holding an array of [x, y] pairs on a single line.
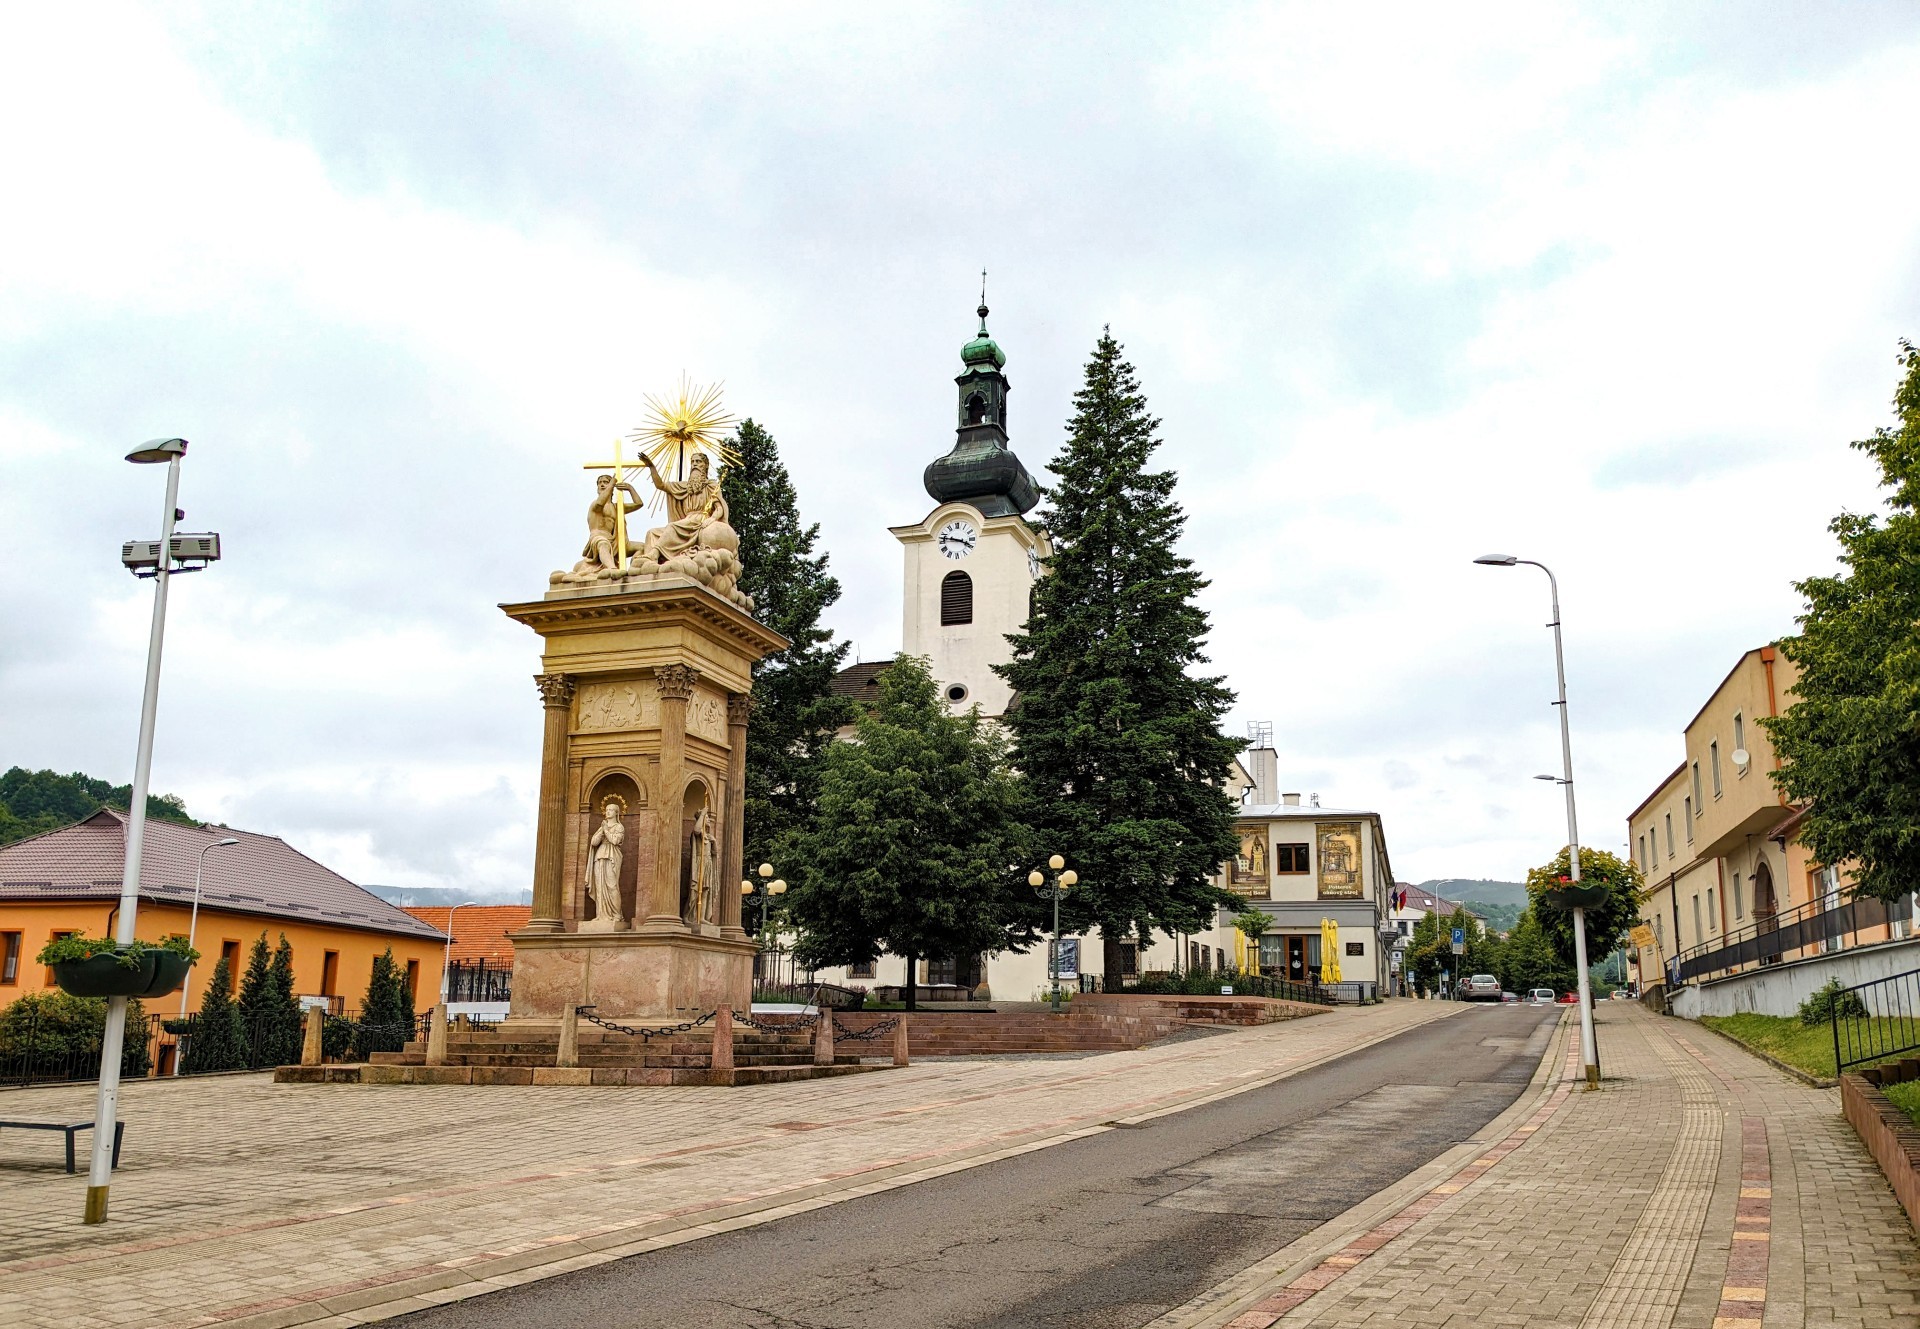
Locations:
{"points": [[1809, 1047], [1906, 1097]]}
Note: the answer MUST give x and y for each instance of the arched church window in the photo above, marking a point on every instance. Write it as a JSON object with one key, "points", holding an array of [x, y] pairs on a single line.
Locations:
{"points": [[976, 409], [956, 599]]}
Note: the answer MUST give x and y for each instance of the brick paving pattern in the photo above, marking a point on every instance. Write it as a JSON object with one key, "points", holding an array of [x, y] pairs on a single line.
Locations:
{"points": [[244, 1202], [1701, 1188]]}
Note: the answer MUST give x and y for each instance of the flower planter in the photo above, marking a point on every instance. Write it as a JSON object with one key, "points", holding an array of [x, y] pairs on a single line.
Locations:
{"points": [[158, 973], [1578, 895]]}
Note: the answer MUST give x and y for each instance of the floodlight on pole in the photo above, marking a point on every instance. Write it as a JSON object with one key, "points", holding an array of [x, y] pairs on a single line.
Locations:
{"points": [[113, 1036], [1589, 1050]]}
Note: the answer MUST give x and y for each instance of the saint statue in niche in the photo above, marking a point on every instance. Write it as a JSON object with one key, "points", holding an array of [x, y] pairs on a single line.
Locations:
{"points": [[703, 856], [603, 872]]}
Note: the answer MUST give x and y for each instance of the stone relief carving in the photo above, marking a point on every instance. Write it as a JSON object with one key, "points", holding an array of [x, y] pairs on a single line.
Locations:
{"points": [[622, 704], [707, 716]]}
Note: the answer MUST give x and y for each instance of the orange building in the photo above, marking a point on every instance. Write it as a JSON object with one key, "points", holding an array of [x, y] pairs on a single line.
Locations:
{"points": [[69, 881]]}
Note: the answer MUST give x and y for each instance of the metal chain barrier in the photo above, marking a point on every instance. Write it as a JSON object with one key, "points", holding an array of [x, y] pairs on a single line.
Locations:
{"points": [[588, 1013], [789, 1024], [864, 1035]]}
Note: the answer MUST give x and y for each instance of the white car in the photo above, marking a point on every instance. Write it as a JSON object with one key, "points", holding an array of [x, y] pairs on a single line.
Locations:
{"points": [[1542, 996]]}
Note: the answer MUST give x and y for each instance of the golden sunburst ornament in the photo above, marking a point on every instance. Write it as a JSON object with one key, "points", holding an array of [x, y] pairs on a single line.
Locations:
{"points": [[677, 428]]}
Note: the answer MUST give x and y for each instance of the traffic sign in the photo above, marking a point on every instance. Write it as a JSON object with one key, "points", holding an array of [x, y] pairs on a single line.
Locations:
{"points": [[1459, 941]]}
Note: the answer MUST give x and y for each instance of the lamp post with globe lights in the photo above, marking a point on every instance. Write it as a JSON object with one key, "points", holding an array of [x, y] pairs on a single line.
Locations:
{"points": [[1062, 881], [764, 890], [1571, 890]]}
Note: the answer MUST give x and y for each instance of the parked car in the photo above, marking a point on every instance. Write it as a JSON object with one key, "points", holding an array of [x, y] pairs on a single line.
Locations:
{"points": [[1509, 997], [1569, 998], [1540, 996], [1480, 987], [1618, 994]]}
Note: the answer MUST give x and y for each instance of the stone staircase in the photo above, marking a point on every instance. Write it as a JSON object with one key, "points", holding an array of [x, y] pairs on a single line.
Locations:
{"points": [[1007, 1033], [606, 1057]]}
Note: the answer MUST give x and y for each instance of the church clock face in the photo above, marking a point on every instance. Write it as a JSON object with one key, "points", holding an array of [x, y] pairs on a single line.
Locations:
{"points": [[957, 538]]}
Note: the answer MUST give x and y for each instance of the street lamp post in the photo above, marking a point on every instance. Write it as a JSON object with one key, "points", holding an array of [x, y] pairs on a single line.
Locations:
{"points": [[193, 926], [1589, 1051], [764, 890], [446, 954], [1061, 881], [136, 556]]}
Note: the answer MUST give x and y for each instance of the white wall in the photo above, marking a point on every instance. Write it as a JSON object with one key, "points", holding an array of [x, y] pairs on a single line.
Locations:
{"points": [[1779, 989], [1002, 579]]}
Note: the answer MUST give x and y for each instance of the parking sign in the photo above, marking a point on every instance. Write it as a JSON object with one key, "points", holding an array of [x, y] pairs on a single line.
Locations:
{"points": [[1459, 941]]}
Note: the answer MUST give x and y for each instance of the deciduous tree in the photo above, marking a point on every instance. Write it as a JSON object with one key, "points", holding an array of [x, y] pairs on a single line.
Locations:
{"points": [[1849, 745], [1607, 922], [916, 846]]}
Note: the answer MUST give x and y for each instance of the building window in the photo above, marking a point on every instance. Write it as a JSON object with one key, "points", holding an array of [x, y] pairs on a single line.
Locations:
{"points": [[1641, 848], [1713, 756], [956, 599], [230, 952], [413, 980], [1129, 959], [1669, 835], [1739, 739], [864, 969], [1697, 804], [1739, 898], [1699, 932], [330, 974], [1688, 820], [956, 692], [1405, 926], [10, 957], [1713, 918], [1290, 858]]}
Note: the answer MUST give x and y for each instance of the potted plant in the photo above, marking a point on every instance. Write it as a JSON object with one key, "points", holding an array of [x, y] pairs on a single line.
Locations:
{"points": [[100, 967], [1567, 894]]}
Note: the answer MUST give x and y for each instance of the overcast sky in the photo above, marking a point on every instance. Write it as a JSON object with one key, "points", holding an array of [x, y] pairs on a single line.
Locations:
{"points": [[1610, 287]]}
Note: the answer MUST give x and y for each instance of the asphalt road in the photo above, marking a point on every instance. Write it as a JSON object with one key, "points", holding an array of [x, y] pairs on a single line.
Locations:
{"points": [[1108, 1231]]}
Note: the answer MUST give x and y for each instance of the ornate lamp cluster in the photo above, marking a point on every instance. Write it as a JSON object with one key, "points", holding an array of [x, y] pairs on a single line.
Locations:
{"points": [[1062, 881]]}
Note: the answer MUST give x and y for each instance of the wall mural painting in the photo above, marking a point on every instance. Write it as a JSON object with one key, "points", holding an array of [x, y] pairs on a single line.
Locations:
{"points": [[1340, 860], [1249, 874]]}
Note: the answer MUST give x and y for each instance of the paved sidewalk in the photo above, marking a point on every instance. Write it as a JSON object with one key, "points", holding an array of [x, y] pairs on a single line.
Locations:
{"points": [[245, 1202], [1701, 1187]]}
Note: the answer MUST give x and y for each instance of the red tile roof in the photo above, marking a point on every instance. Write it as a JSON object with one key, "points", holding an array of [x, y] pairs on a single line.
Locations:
{"points": [[479, 930], [261, 875]]}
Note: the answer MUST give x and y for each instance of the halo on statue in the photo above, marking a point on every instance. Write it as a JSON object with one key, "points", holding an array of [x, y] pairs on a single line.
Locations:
{"points": [[601, 805], [678, 427]]}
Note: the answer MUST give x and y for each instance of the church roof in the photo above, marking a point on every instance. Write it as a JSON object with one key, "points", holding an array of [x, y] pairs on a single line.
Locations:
{"points": [[860, 681], [261, 875]]}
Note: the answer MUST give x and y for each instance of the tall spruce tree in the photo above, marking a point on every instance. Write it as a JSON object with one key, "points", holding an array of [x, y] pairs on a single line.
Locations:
{"points": [[795, 710], [256, 1003], [1849, 746], [386, 1012], [217, 1041], [916, 847], [280, 1033], [1116, 735]]}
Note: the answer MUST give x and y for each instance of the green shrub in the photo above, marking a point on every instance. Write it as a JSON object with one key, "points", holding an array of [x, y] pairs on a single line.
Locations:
{"points": [[52, 1026], [1832, 1002]]}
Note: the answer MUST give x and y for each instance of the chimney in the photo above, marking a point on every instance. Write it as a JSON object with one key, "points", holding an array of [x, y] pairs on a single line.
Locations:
{"points": [[1263, 765], [1290, 800]]}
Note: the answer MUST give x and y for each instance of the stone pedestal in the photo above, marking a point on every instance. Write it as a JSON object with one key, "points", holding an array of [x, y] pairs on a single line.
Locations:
{"points": [[645, 685]]}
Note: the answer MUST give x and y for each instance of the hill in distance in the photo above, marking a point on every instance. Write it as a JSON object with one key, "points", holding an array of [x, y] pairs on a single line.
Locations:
{"points": [[1464, 889], [437, 897]]}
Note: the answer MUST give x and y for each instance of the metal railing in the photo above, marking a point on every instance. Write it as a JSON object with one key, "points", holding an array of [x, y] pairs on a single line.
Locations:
{"points": [[1808, 929], [832, 995], [476, 980], [1876, 1020]]}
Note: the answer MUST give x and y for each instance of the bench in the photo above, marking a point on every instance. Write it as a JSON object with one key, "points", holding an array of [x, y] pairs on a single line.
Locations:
{"points": [[119, 1130]]}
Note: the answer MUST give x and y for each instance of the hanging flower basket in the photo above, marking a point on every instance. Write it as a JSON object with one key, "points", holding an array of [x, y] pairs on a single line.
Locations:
{"points": [[1570, 895], [91, 967]]}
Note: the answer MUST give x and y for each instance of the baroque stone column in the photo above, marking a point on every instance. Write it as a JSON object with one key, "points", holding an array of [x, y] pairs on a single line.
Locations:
{"points": [[549, 839], [675, 685], [732, 869]]}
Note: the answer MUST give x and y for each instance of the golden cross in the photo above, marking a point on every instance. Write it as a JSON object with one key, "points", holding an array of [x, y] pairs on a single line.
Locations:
{"points": [[619, 503]]}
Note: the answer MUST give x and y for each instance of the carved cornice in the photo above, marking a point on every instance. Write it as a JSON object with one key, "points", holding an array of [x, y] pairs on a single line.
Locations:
{"points": [[739, 708], [556, 690], [683, 599], [675, 681]]}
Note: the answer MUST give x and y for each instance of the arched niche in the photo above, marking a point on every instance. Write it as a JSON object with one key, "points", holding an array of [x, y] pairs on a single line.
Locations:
{"points": [[621, 788], [700, 852]]}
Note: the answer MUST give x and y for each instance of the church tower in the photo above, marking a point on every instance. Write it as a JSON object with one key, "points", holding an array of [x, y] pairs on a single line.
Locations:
{"points": [[972, 561]]}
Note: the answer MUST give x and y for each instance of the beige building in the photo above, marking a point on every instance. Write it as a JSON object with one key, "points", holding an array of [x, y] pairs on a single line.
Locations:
{"points": [[1729, 886]]}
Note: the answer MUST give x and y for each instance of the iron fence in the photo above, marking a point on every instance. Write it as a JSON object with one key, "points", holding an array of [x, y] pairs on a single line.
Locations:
{"points": [[476, 980], [831, 995], [1813, 928], [1876, 1020]]}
